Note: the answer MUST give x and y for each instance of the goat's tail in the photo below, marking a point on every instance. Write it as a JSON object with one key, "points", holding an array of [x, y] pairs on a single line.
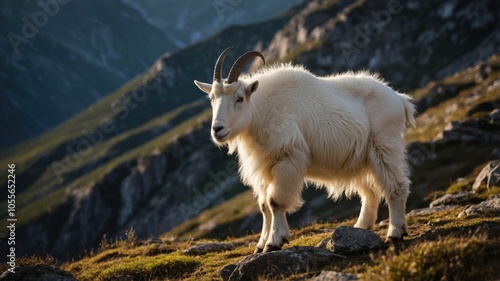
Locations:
{"points": [[409, 109]]}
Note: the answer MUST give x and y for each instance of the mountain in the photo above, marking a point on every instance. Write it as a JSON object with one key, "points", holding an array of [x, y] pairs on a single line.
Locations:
{"points": [[141, 156], [185, 25], [59, 57]]}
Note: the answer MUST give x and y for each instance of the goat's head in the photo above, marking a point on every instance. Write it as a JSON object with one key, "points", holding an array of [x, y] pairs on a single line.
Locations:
{"points": [[230, 98]]}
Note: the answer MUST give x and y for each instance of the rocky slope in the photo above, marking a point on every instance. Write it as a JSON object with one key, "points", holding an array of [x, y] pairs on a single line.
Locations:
{"points": [[149, 138], [409, 42]]}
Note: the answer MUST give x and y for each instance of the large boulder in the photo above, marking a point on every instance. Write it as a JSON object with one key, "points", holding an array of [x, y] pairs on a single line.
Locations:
{"points": [[452, 199], [280, 264], [37, 273], [348, 240], [487, 208]]}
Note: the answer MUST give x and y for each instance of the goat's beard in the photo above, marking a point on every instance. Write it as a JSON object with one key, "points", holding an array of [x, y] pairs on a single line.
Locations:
{"points": [[231, 145]]}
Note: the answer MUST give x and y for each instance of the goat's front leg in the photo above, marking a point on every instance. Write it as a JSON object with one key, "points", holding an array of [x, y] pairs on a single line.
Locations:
{"points": [[266, 223], [279, 228], [283, 195]]}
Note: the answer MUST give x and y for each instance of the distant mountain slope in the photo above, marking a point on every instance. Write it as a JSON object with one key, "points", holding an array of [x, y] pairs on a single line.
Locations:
{"points": [[151, 165], [57, 59], [190, 21], [84, 51]]}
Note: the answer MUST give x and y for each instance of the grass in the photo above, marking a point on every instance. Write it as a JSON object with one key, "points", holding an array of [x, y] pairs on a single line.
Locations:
{"points": [[448, 259]]}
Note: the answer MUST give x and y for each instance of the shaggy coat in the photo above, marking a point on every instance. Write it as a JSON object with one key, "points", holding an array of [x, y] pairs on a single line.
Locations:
{"points": [[342, 132]]}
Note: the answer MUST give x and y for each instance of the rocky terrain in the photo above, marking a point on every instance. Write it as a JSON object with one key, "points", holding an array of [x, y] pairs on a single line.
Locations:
{"points": [[455, 238], [152, 169]]}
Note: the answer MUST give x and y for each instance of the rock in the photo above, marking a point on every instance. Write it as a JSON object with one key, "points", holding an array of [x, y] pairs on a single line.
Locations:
{"points": [[158, 249], [384, 222], [484, 71], [334, 276], [487, 106], [495, 116], [436, 95], [227, 270], [203, 249], [429, 211], [496, 153], [279, 264], [487, 208], [37, 273], [153, 240], [489, 176], [474, 131], [348, 240], [171, 239], [325, 244], [452, 199]]}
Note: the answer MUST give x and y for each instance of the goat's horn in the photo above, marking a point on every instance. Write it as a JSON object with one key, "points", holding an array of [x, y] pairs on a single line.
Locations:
{"points": [[238, 65], [219, 64]]}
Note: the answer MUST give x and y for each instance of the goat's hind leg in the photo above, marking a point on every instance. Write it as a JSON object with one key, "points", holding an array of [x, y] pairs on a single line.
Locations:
{"points": [[390, 169], [370, 199]]}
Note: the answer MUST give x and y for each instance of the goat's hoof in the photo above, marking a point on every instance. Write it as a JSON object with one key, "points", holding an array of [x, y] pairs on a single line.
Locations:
{"points": [[258, 250], [271, 248]]}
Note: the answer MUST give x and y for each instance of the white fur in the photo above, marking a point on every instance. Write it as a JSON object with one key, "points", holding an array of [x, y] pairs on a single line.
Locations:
{"points": [[342, 132]]}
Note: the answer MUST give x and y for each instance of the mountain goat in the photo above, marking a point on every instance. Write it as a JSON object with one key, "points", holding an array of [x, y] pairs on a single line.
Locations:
{"points": [[341, 132]]}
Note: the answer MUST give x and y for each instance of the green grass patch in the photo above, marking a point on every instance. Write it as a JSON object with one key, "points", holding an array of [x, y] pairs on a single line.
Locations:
{"points": [[448, 259], [143, 268]]}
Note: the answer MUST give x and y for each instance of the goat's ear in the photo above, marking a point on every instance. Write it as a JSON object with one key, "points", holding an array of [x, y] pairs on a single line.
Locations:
{"points": [[251, 88], [205, 87]]}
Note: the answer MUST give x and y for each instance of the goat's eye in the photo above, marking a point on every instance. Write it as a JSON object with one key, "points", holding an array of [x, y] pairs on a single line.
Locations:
{"points": [[240, 99]]}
